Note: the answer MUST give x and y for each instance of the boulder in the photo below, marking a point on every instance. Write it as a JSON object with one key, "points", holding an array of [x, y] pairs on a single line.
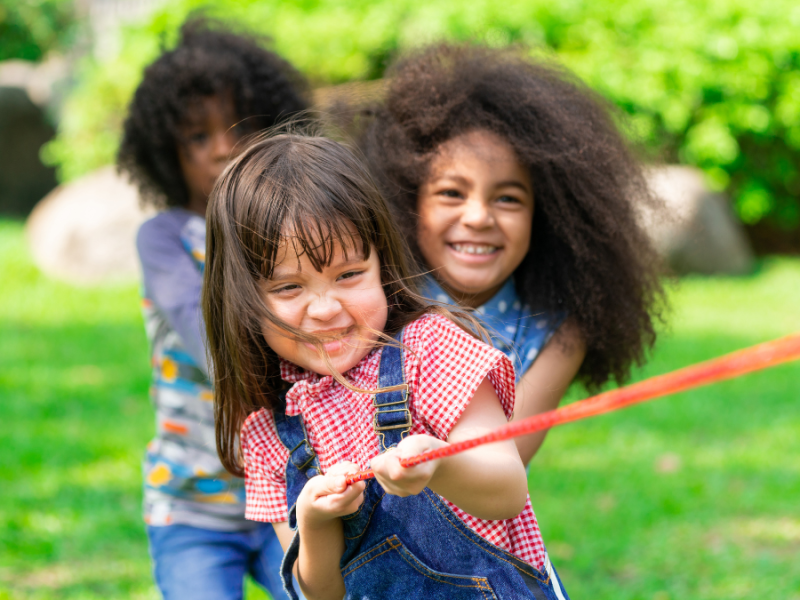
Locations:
{"points": [[84, 231], [23, 131], [697, 232]]}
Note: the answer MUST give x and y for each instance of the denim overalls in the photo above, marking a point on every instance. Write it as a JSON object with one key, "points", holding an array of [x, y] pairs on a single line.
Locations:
{"points": [[413, 547]]}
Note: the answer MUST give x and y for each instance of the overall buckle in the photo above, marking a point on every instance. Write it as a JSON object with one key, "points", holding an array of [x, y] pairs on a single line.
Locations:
{"points": [[309, 452]]}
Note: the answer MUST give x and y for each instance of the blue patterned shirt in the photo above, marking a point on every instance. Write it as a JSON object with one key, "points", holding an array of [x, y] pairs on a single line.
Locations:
{"points": [[184, 479], [515, 328]]}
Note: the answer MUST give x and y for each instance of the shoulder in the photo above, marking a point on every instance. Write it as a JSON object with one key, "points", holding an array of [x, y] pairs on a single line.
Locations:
{"points": [[433, 334], [164, 229], [262, 449], [568, 342], [170, 224], [431, 326], [170, 220], [258, 429], [444, 367]]}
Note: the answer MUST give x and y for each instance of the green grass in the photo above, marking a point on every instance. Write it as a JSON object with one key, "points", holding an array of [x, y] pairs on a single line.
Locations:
{"points": [[688, 497]]}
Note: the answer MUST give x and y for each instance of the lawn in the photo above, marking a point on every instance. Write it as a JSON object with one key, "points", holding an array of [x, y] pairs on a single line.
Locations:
{"points": [[689, 497]]}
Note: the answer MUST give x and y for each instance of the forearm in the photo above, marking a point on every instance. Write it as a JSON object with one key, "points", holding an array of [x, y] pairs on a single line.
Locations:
{"points": [[321, 548], [320, 506], [484, 482]]}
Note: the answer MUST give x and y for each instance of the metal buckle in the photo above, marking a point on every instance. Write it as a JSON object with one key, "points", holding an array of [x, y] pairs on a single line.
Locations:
{"points": [[310, 450], [395, 388], [405, 425]]}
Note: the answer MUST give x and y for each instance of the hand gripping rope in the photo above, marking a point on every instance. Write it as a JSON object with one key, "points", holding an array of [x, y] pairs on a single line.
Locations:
{"points": [[731, 365]]}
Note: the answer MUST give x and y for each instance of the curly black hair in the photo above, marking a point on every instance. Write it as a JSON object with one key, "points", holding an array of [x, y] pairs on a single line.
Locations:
{"points": [[210, 59], [589, 256]]}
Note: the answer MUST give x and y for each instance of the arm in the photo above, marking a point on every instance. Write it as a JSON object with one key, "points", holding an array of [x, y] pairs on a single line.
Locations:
{"points": [[173, 282], [323, 500], [541, 388], [488, 482]]}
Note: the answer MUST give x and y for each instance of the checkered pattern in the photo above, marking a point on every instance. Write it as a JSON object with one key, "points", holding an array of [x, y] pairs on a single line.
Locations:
{"points": [[444, 362]]}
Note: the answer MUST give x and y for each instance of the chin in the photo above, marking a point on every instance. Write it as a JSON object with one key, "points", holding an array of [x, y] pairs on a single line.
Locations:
{"points": [[343, 365], [471, 287]]}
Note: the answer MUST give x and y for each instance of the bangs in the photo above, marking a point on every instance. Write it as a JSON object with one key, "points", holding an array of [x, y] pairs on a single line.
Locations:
{"points": [[315, 197], [318, 238]]}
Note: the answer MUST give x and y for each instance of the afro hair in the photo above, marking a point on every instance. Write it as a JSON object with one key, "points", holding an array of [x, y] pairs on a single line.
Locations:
{"points": [[209, 60], [589, 257]]}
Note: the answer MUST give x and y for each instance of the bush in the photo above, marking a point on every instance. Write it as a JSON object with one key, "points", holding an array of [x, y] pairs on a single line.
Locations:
{"points": [[712, 83], [29, 29]]}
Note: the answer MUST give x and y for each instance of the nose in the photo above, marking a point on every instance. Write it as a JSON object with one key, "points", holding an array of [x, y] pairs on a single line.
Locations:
{"points": [[323, 307], [477, 214]]}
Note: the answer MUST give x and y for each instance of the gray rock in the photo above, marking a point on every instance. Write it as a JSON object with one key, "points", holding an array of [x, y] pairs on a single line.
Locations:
{"points": [[84, 232], [23, 130], [698, 231]]}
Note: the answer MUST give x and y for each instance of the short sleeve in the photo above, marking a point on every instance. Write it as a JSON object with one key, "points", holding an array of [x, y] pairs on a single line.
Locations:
{"points": [[444, 369], [265, 461], [537, 335]]}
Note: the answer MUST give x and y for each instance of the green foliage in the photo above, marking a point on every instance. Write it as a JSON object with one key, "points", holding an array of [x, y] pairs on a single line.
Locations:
{"points": [[692, 496], [712, 83], [31, 28]]}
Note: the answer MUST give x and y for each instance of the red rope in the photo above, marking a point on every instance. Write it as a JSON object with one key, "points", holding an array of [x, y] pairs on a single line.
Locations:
{"points": [[731, 365]]}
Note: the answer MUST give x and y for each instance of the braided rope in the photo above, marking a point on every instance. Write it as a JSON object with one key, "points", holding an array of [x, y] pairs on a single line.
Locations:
{"points": [[728, 366]]}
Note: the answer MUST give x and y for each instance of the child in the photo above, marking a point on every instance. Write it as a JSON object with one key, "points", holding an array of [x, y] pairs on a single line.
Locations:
{"points": [[517, 193], [186, 119], [306, 284]]}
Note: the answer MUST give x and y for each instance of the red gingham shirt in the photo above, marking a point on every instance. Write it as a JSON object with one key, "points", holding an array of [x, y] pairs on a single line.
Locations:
{"points": [[444, 363]]}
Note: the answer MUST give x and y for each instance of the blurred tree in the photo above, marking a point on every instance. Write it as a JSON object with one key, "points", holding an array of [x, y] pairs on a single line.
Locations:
{"points": [[29, 29], [711, 83]]}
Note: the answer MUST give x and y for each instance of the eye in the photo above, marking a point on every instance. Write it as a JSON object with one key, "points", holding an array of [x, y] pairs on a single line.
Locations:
{"points": [[508, 200], [349, 275], [289, 287], [450, 193], [197, 137]]}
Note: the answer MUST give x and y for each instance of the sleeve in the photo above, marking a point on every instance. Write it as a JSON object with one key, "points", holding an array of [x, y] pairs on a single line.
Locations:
{"points": [[544, 327], [173, 282], [446, 366], [265, 461]]}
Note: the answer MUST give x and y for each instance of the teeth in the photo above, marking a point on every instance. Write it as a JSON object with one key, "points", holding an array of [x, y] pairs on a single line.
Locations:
{"points": [[474, 248]]}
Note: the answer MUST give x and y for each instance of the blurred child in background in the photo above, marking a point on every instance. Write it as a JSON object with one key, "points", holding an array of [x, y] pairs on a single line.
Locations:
{"points": [[517, 193], [188, 115]]}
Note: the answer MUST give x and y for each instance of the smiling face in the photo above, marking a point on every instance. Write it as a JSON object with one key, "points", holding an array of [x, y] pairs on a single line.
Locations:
{"points": [[475, 215], [209, 138], [343, 306]]}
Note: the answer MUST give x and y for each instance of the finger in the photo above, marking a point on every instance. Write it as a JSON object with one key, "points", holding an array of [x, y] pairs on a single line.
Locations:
{"points": [[328, 484], [343, 468], [341, 503], [381, 462]]}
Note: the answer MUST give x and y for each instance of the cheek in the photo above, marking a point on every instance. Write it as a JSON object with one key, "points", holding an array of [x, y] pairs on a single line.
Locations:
{"points": [[275, 340], [431, 226], [373, 308], [518, 232], [287, 313]]}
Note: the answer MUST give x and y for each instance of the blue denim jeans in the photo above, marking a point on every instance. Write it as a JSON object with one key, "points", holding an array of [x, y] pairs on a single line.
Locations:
{"points": [[202, 564]]}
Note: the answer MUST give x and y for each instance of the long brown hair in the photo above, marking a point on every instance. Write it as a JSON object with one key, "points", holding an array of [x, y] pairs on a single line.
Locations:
{"points": [[317, 189]]}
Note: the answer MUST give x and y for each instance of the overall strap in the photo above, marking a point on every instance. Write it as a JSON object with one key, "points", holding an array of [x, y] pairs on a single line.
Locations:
{"points": [[302, 464], [392, 420]]}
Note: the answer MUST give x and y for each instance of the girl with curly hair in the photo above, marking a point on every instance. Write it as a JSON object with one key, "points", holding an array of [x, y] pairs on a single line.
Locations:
{"points": [[187, 117], [518, 195]]}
